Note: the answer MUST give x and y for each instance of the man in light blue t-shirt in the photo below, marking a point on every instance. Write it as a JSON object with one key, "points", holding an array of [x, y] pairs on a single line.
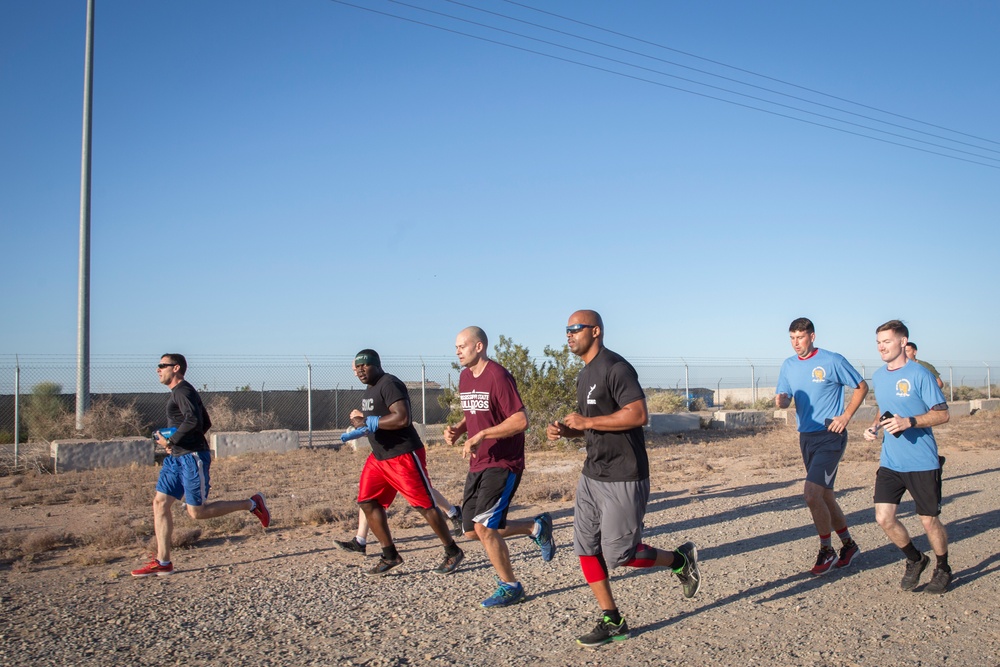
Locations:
{"points": [[909, 396], [816, 379]]}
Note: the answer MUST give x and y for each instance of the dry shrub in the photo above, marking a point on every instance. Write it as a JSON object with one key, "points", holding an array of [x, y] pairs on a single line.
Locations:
{"points": [[317, 516], [184, 538], [105, 420], [226, 418], [113, 533], [665, 401], [40, 542]]}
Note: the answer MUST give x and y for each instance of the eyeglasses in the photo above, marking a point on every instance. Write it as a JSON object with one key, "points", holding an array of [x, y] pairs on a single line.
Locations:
{"points": [[577, 328], [165, 365]]}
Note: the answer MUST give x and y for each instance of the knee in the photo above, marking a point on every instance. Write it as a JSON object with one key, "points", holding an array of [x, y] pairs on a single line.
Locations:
{"points": [[196, 511], [482, 532], [161, 503]]}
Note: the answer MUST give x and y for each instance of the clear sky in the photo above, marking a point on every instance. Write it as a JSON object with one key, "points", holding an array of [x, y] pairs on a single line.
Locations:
{"points": [[310, 177]]}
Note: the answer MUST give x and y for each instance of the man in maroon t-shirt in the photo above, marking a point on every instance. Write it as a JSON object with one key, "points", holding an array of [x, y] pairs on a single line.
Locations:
{"points": [[495, 420]]}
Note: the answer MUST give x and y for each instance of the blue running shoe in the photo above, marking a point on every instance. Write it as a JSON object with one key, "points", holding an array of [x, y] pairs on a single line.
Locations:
{"points": [[544, 539], [504, 595]]}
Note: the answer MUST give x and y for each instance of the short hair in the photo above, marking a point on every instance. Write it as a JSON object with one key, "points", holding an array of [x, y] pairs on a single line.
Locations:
{"points": [[480, 335], [176, 359], [367, 357], [802, 324], [897, 327], [910, 343]]}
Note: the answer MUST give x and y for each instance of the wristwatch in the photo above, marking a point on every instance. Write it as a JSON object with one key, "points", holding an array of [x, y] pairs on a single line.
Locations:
{"points": [[913, 422]]}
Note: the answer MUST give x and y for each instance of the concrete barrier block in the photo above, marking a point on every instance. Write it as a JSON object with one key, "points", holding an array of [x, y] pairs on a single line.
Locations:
{"points": [[70, 455], [960, 408], [234, 444], [674, 422], [986, 404], [734, 419], [785, 416]]}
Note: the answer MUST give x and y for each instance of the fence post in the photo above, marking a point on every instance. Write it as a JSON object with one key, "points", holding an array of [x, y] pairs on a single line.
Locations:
{"points": [[753, 385], [309, 400], [17, 407], [423, 391], [989, 382], [951, 384], [687, 389], [336, 406]]}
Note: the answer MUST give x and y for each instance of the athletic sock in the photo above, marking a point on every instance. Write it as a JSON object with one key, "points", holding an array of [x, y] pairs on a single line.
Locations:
{"points": [[942, 562], [845, 535], [824, 541], [678, 558], [164, 563], [536, 530], [361, 540], [612, 616], [390, 553], [453, 512], [911, 552], [452, 549], [253, 504]]}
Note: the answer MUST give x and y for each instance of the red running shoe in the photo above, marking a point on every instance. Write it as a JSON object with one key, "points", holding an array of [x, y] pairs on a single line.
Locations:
{"points": [[824, 561], [260, 511], [153, 568]]}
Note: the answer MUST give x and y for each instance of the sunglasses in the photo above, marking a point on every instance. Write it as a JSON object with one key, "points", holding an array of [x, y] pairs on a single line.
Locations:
{"points": [[577, 328], [165, 365]]}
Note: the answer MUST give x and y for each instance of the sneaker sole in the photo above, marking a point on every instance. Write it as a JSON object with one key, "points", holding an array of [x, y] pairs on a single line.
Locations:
{"points": [[609, 640], [693, 561], [849, 560], [152, 574]]}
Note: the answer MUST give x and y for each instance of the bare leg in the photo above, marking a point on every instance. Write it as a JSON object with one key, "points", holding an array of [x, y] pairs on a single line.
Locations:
{"points": [[826, 513], [163, 525], [936, 534], [496, 550], [378, 522], [885, 516], [218, 508], [602, 591], [436, 521]]}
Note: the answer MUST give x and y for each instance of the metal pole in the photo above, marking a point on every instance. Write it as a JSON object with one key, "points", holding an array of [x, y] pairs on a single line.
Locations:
{"points": [[83, 297], [989, 383], [687, 389], [336, 406], [262, 404], [423, 391], [753, 393], [17, 408], [951, 384], [309, 400]]}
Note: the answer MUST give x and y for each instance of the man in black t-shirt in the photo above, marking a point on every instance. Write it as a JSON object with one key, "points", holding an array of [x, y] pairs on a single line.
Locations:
{"points": [[397, 464], [184, 474], [613, 489]]}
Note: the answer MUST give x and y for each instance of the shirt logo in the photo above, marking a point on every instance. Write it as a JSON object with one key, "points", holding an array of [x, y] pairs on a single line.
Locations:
{"points": [[473, 401], [819, 374], [367, 404], [591, 401], [903, 388]]}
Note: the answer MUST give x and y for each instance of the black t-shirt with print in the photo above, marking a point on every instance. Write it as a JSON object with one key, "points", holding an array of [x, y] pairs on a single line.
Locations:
{"points": [[376, 400]]}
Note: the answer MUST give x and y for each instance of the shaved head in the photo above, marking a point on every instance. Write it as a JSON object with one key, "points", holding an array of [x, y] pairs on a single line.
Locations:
{"points": [[476, 334]]}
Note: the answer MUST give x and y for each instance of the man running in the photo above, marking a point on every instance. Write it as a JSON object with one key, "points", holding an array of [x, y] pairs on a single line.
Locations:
{"points": [[397, 463], [613, 489], [909, 460], [816, 379], [495, 420]]}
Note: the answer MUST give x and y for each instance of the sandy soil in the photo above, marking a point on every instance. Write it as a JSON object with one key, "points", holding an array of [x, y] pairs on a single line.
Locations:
{"points": [[286, 596]]}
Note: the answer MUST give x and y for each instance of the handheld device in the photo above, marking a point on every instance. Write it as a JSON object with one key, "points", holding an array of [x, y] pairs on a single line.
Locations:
{"points": [[888, 415], [165, 432]]}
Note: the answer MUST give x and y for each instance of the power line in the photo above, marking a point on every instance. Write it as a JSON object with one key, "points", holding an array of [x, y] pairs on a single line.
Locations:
{"points": [[678, 88], [751, 72]]}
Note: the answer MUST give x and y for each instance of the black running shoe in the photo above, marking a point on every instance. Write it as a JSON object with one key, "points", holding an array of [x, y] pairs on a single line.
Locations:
{"points": [[939, 582], [605, 633], [450, 563], [351, 545], [689, 575], [384, 565], [913, 571]]}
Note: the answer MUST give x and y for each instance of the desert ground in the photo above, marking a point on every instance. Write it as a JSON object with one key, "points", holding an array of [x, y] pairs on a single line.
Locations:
{"points": [[286, 596]]}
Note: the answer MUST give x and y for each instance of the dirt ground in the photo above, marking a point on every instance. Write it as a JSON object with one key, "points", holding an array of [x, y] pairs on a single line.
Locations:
{"points": [[286, 596]]}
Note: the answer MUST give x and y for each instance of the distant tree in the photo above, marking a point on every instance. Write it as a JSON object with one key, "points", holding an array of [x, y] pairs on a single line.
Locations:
{"points": [[46, 416]]}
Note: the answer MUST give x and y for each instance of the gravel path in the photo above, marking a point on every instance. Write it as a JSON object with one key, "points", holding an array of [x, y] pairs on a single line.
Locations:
{"points": [[288, 597]]}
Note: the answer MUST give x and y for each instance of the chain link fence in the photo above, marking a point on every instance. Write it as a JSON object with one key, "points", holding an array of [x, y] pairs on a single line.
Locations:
{"points": [[315, 395]]}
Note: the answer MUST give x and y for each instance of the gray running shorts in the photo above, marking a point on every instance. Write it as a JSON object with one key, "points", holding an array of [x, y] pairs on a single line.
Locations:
{"points": [[607, 519]]}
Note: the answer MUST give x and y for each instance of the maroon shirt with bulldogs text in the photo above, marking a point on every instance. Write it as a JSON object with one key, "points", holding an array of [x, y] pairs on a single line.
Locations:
{"points": [[488, 400]]}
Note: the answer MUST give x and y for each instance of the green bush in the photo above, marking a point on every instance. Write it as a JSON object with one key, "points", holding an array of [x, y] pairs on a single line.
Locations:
{"points": [[46, 416], [665, 401]]}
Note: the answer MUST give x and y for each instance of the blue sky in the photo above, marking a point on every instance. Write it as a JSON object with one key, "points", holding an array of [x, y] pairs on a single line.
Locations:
{"points": [[312, 178]]}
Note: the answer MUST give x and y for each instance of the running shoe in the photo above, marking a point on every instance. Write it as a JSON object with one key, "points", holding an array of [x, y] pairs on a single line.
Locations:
{"points": [[914, 568], [450, 563], [939, 582], [504, 595], [689, 575], [848, 553], [260, 509], [153, 568], [605, 633], [384, 565], [544, 539], [456, 523], [824, 561], [351, 545]]}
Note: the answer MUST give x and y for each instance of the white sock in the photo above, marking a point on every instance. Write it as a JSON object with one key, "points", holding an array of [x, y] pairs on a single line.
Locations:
{"points": [[361, 540], [253, 504], [453, 512]]}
